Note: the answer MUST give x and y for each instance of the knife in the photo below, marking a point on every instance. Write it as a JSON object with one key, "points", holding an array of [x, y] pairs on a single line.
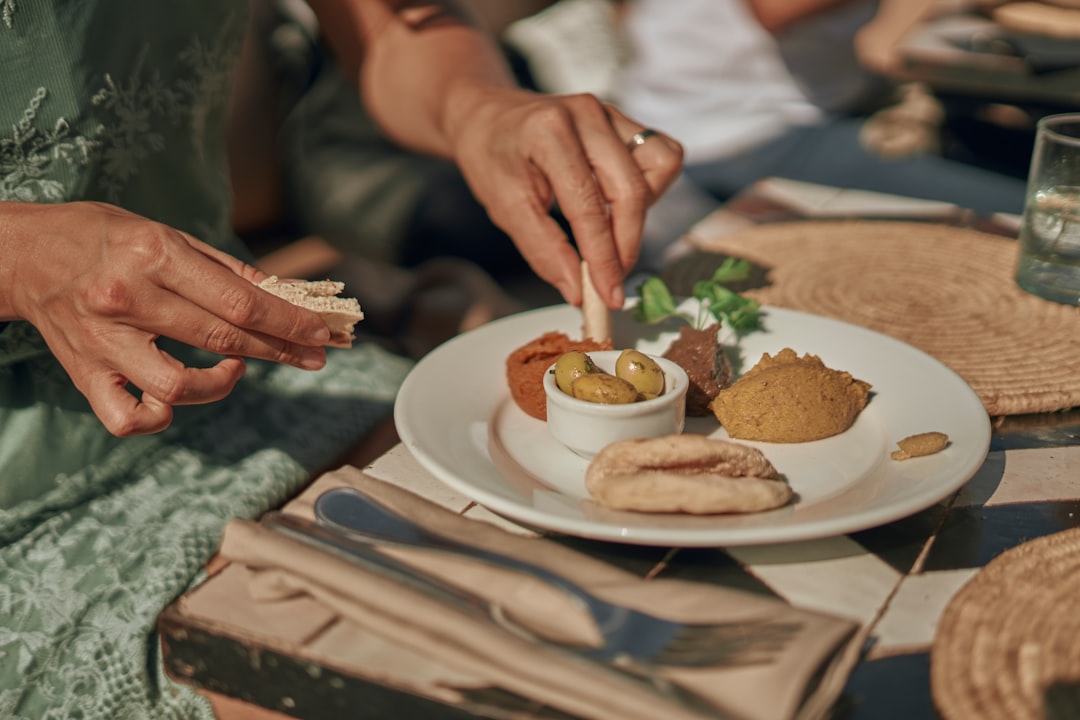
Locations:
{"points": [[475, 606], [366, 556]]}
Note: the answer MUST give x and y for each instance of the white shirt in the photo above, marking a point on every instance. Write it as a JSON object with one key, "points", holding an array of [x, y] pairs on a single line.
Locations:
{"points": [[708, 74]]}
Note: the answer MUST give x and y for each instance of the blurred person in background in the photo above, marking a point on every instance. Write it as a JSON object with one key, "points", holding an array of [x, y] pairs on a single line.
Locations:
{"points": [[774, 88]]}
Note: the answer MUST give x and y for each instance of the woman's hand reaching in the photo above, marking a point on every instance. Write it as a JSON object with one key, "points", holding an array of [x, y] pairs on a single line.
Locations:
{"points": [[523, 152], [102, 285], [438, 84]]}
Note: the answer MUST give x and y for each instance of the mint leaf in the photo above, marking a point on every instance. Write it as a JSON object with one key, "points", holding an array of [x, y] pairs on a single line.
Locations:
{"points": [[656, 303], [745, 316], [731, 269], [714, 300]]}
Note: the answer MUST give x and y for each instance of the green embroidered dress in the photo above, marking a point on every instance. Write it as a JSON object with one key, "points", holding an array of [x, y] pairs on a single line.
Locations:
{"points": [[124, 101]]}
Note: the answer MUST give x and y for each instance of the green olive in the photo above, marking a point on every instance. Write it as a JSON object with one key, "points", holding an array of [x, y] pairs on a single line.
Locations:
{"points": [[642, 372], [604, 388], [570, 366]]}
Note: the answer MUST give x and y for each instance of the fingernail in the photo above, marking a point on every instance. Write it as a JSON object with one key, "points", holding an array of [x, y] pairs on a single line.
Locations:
{"points": [[619, 296], [319, 336], [566, 289], [313, 359]]}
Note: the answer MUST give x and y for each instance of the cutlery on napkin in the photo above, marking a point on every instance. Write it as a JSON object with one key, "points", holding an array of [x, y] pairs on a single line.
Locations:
{"points": [[801, 679]]}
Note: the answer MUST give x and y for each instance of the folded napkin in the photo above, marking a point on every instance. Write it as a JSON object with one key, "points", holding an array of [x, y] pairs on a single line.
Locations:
{"points": [[813, 200], [436, 650]]}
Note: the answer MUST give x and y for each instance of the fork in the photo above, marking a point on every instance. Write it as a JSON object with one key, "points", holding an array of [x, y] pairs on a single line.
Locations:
{"points": [[630, 637], [732, 638], [366, 555]]}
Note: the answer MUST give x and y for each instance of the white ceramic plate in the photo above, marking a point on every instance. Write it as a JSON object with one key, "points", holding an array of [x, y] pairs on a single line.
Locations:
{"points": [[455, 414]]}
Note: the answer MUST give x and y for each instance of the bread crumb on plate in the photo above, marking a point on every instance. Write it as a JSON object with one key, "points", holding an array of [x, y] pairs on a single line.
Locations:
{"points": [[926, 443]]}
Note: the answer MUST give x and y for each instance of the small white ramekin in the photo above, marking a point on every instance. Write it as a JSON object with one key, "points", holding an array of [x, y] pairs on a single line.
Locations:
{"points": [[587, 427]]}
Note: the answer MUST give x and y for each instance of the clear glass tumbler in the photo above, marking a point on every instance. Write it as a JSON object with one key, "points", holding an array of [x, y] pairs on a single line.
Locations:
{"points": [[1049, 260]]}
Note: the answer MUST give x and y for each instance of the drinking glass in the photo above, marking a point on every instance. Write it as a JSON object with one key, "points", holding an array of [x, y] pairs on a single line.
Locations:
{"points": [[1049, 260]]}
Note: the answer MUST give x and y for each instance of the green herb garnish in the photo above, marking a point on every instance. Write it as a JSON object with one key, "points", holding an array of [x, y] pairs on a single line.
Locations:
{"points": [[714, 300]]}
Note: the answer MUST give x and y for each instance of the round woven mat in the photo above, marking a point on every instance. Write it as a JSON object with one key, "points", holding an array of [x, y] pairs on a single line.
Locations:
{"points": [[1010, 634], [948, 291]]}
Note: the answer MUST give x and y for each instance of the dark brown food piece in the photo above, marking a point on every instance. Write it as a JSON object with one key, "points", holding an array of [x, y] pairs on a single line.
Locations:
{"points": [[702, 357]]}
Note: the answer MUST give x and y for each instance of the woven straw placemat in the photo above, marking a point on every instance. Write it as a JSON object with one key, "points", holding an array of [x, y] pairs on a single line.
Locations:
{"points": [[1007, 644], [948, 291]]}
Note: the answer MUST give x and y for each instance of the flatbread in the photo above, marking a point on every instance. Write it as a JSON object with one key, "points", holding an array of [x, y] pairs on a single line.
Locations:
{"points": [[685, 474]]}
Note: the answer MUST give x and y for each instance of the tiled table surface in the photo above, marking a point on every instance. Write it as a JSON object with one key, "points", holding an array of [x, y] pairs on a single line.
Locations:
{"points": [[895, 579]]}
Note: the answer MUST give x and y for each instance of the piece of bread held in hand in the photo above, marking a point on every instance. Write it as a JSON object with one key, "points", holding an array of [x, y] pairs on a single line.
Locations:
{"points": [[321, 296]]}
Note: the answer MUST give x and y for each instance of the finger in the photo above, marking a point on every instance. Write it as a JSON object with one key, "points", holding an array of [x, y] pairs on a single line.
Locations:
{"points": [[560, 155], [657, 161], [659, 157], [177, 318], [165, 385], [548, 251], [218, 289], [539, 238], [171, 382], [621, 181], [233, 263], [122, 413]]}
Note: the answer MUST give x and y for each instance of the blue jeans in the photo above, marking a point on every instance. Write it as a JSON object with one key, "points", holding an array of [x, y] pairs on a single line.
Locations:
{"points": [[831, 154]]}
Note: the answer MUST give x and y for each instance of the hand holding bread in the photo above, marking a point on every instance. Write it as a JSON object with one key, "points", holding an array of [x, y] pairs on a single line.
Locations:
{"points": [[104, 284]]}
